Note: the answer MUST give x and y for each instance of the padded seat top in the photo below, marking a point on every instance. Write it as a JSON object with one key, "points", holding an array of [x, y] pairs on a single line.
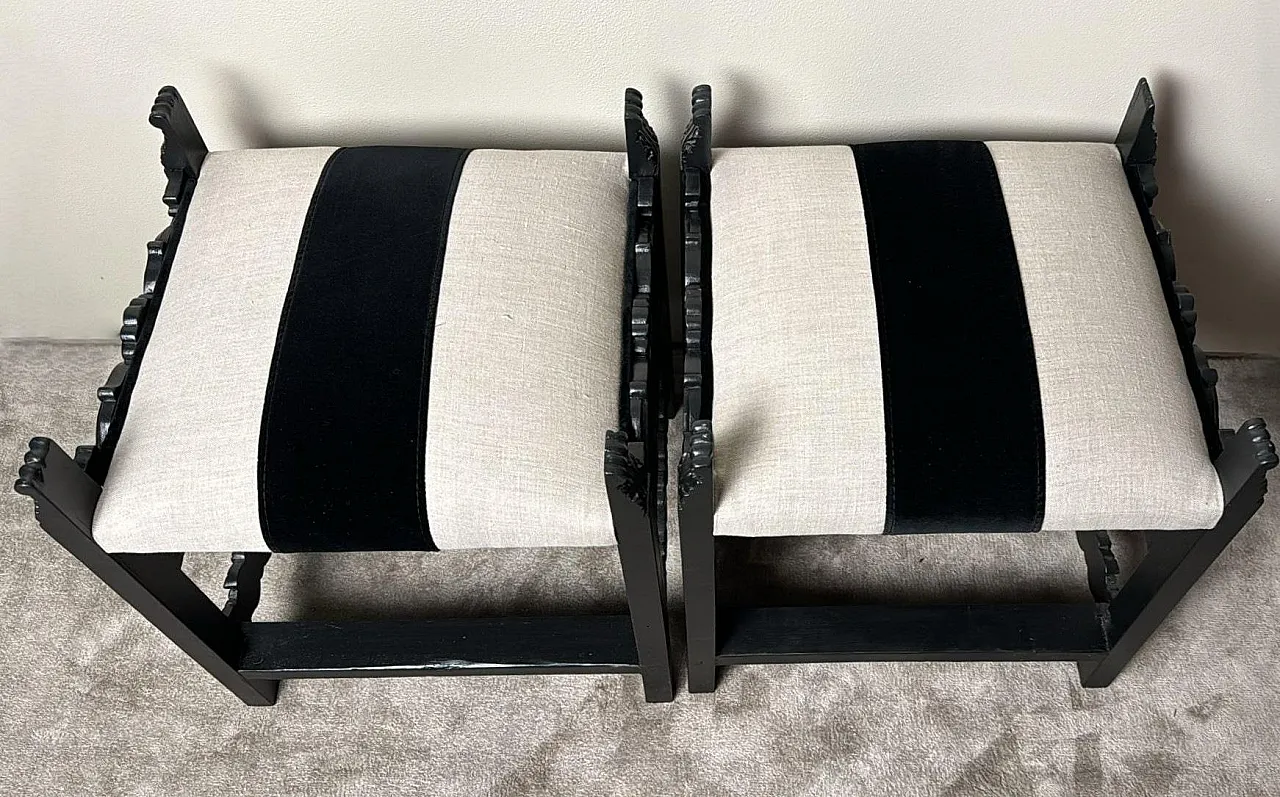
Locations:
{"points": [[380, 348], [945, 336]]}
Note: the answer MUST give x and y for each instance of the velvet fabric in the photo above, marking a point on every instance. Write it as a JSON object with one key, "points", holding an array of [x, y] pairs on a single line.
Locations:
{"points": [[343, 427], [962, 400]]}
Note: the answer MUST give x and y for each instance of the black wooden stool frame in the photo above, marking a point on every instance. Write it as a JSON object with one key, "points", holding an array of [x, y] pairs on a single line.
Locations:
{"points": [[251, 658], [1101, 636]]}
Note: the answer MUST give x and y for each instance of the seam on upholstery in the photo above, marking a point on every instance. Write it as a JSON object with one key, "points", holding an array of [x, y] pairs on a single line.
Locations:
{"points": [[446, 215], [890, 519], [265, 430], [989, 166]]}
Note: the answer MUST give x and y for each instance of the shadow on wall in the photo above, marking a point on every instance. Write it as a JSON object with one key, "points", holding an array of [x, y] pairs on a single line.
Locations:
{"points": [[253, 119], [1231, 267]]}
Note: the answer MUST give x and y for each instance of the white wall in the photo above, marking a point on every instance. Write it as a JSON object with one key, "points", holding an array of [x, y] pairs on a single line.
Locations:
{"points": [[80, 180]]}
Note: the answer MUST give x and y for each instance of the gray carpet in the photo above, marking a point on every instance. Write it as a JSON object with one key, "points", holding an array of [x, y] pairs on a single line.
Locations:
{"points": [[95, 701]]}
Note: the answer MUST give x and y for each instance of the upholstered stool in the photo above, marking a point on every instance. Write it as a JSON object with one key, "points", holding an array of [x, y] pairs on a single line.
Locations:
{"points": [[384, 349], [946, 336]]}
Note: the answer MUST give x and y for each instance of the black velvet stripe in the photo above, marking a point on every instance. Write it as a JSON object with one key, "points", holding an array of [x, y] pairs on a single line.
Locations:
{"points": [[962, 397], [341, 452]]}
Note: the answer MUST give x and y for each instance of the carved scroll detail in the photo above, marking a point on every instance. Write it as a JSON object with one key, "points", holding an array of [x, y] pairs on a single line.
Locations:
{"points": [[633, 453], [695, 166], [623, 469], [181, 154], [1136, 142], [695, 147], [244, 585], [642, 142], [183, 151], [1263, 449], [1103, 568], [696, 460], [643, 382], [57, 485]]}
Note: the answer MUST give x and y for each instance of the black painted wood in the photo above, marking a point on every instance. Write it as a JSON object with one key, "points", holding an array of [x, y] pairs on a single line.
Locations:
{"points": [[1175, 560], [244, 585], [643, 557], [696, 477], [66, 491], [183, 151], [635, 453], [1101, 564], [1101, 636], [484, 646], [961, 632], [154, 584], [250, 658], [1136, 141], [181, 154]]}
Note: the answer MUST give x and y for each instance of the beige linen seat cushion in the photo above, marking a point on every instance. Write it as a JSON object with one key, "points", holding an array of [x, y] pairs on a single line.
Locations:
{"points": [[799, 405], [523, 376]]}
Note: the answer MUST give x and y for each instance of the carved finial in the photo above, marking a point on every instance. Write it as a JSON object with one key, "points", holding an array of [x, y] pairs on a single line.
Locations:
{"points": [[642, 143], [695, 148], [183, 151], [1255, 429], [1137, 139], [31, 473], [701, 99], [695, 462], [1137, 136], [83, 455], [170, 116], [623, 470], [167, 99]]}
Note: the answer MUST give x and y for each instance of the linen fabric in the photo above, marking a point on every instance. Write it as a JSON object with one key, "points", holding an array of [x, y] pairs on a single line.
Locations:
{"points": [[519, 368], [800, 355]]}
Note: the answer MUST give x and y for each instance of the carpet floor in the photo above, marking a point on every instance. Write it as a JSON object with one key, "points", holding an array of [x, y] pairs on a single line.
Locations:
{"points": [[93, 700]]}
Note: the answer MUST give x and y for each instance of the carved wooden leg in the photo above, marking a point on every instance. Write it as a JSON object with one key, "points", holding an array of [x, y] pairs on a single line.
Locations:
{"points": [[154, 584], [698, 556], [244, 585], [1104, 570], [1175, 560], [697, 543], [643, 564]]}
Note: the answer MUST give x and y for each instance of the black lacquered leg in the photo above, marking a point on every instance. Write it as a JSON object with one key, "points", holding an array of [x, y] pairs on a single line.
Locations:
{"points": [[646, 597], [698, 555], [640, 548], [1175, 560], [154, 584], [697, 543]]}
